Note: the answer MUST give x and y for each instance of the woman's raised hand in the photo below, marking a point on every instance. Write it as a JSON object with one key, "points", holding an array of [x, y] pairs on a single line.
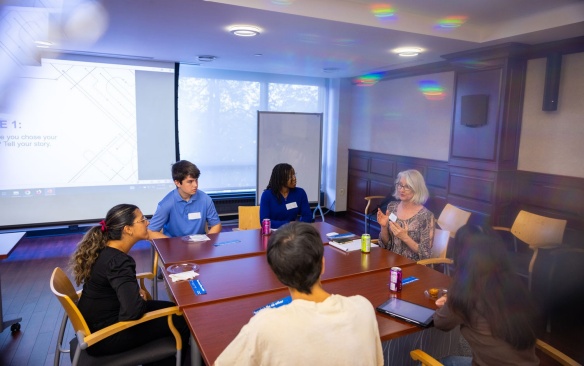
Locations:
{"points": [[382, 218]]}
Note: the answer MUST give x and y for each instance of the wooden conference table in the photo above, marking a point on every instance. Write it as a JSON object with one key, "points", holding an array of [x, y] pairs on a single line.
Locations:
{"points": [[239, 281]]}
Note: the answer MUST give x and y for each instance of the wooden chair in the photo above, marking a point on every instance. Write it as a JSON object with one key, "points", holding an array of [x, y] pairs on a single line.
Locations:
{"points": [[452, 218], [156, 350], [538, 232], [439, 248], [249, 217], [371, 216], [73, 294], [150, 276], [427, 360], [68, 290]]}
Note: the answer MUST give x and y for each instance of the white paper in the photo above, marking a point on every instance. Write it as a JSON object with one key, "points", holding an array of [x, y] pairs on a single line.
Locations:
{"points": [[349, 246], [188, 275], [198, 237]]}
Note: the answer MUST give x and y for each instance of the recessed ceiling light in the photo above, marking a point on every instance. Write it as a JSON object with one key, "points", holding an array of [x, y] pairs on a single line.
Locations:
{"points": [[258, 54], [206, 58], [408, 51], [244, 30], [43, 44]]}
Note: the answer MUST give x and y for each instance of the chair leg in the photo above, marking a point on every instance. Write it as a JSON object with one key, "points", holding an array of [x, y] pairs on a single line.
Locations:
{"points": [[530, 269], [196, 359], [59, 348], [155, 285], [75, 360]]}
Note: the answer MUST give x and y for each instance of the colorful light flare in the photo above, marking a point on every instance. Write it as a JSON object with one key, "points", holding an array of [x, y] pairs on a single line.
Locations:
{"points": [[431, 90], [453, 21], [382, 11], [368, 80]]}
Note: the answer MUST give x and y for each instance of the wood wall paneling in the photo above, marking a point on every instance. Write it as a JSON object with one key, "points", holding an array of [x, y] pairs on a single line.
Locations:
{"points": [[493, 197], [478, 143], [380, 188], [379, 179], [358, 189], [383, 167], [360, 163], [512, 113], [470, 187]]}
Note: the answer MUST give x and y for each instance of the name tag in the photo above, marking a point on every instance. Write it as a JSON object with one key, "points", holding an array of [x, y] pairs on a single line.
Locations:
{"points": [[197, 287], [194, 216], [291, 205]]}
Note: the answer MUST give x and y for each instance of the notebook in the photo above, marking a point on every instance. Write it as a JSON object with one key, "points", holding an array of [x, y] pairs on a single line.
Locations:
{"points": [[408, 311]]}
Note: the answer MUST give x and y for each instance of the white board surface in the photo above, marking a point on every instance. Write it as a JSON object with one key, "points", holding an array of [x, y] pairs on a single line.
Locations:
{"points": [[293, 138]]}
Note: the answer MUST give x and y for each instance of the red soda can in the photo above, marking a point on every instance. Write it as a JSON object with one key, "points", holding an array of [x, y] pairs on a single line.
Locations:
{"points": [[266, 227], [395, 279]]}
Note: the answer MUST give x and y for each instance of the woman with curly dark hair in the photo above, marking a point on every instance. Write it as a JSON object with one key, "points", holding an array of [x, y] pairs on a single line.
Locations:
{"points": [[110, 290], [282, 201]]}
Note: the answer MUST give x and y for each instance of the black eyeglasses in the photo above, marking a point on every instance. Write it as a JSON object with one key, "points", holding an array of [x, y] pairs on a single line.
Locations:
{"points": [[405, 188]]}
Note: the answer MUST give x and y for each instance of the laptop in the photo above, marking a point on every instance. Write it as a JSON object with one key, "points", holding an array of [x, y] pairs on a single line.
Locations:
{"points": [[408, 311]]}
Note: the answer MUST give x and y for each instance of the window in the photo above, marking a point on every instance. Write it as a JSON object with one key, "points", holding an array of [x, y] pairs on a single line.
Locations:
{"points": [[217, 120]]}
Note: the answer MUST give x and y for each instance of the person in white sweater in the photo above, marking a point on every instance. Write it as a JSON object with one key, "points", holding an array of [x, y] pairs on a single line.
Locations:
{"points": [[316, 328]]}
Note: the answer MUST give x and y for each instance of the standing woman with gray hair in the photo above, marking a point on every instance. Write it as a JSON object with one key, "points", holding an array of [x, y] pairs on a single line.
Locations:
{"points": [[407, 227]]}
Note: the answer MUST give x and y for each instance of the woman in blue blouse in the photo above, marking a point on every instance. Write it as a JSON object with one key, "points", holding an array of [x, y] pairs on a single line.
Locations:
{"points": [[282, 201]]}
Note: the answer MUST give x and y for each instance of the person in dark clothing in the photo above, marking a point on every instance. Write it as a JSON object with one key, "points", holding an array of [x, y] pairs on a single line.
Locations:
{"points": [[110, 290]]}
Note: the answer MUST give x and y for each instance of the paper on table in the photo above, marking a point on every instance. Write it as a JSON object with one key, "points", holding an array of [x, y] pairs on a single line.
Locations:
{"points": [[349, 246], [198, 237], [340, 237], [183, 276]]}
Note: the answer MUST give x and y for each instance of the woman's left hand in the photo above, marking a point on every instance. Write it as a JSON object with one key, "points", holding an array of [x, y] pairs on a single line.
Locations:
{"points": [[143, 294], [398, 231]]}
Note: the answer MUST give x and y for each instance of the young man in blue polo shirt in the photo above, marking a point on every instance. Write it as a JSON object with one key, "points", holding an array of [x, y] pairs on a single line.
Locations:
{"points": [[185, 210]]}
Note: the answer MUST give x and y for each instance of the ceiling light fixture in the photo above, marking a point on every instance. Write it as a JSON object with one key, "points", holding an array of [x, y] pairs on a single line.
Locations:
{"points": [[43, 44], [244, 30], [408, 51]]}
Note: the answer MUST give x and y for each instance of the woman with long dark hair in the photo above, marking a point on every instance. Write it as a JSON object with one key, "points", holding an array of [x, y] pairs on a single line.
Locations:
{"points": [[110, 290], [488, 301], [282, 201]]}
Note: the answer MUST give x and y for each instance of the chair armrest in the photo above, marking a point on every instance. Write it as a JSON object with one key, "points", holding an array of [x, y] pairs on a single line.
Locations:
{"points": [[101, 334], [369, 199], [424, 358], [146, 275], [555, 354], [428, 261], [501, 228]]}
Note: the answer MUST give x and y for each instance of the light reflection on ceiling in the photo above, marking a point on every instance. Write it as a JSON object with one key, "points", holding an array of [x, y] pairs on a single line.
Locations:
{"points": [[368, 80], [431, 89]]}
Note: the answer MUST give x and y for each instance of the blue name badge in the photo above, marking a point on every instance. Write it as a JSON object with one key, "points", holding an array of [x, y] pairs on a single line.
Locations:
{"points": [[226, 242], [410, 279], [197, 287], [275, 304]]}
